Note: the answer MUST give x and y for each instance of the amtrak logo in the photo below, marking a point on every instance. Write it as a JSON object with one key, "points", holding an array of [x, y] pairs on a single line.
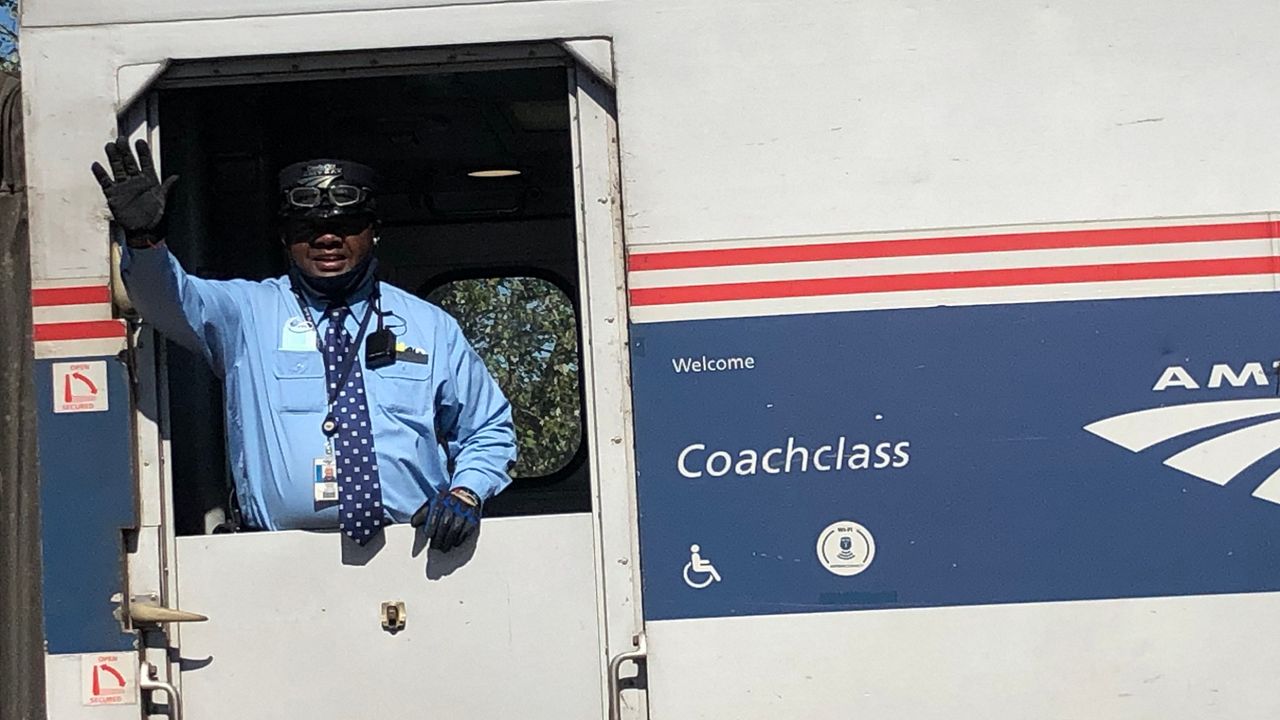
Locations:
{"points": [[1218, 459], [320, 176]]}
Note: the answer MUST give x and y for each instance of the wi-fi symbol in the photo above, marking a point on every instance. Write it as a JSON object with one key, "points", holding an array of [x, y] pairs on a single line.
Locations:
{"points": [[1218, 459]]}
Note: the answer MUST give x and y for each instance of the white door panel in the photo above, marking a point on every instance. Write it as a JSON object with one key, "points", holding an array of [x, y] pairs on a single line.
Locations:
{"points": [[295, 631]]}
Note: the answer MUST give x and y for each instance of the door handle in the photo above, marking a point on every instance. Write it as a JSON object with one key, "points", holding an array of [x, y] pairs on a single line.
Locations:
{"points": [[615, 676], [140, 612], [148, 681]]}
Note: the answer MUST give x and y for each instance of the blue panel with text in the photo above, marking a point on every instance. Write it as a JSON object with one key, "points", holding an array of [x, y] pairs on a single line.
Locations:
{"points": [[957, 456]]}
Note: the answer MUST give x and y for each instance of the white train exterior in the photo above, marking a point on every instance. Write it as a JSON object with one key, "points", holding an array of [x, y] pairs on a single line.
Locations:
{"points": [[945, 332]]}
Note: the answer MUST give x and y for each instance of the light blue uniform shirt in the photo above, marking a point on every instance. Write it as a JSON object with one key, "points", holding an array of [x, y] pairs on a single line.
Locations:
{"points": [[255, 338]]}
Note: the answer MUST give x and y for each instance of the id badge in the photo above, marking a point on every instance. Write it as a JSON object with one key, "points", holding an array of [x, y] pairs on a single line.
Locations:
{"points": [[326, 479], [298, 335]]}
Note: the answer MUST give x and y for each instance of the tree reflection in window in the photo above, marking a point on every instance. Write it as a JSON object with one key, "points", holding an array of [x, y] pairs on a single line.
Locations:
{"points": [[526, 331]]}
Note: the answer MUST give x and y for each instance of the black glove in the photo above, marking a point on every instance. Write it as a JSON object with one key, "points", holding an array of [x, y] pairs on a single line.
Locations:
{"points": [[135, 196], [449, 518]]}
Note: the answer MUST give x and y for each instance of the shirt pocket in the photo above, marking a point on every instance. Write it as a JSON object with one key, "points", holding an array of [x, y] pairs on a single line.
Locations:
{"points": [[405, 389], [300, 381]]}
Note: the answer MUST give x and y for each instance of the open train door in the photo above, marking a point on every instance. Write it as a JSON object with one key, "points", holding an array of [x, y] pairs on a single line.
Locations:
{"points": [[303, 624]]}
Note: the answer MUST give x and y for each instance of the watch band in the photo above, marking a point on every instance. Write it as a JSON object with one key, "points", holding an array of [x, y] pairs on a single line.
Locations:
{"points": [[466, 496]]}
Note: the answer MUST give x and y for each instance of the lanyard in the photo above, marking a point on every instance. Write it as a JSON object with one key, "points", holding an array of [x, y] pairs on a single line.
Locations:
{"points": [[330, 425]]}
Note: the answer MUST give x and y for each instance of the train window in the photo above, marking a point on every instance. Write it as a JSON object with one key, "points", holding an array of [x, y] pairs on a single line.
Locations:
{"points": [[497, 253], [525, 329]]}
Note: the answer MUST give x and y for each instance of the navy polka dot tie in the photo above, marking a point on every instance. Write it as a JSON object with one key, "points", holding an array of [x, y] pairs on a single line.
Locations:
{"points": [[359, 492]]}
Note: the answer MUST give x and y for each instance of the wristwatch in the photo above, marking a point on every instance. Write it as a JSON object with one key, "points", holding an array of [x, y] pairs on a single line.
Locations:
{"points": [[466, 496]]}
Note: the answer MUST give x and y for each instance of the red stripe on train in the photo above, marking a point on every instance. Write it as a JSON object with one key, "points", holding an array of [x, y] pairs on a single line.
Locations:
{"points": [[1049, 240], [89, 330], [45, 297], [955, 280]]}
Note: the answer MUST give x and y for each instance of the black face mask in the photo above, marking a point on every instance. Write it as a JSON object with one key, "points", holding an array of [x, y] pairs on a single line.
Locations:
{"points": [[336, 288]]}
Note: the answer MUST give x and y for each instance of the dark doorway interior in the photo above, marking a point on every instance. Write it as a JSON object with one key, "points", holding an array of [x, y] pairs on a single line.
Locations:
{"points": [[500, 253]]}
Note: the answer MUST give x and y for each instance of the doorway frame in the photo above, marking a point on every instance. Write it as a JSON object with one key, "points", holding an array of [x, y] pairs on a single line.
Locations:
{"points": [[152, 561]]}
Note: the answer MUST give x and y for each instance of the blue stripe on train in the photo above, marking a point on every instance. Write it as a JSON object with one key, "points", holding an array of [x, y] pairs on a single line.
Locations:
{"points": [[87, 497], [1005, 497]]}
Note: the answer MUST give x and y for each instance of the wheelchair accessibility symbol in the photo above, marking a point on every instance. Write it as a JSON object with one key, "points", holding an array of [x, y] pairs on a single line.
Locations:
{"points": [[697, 565]]}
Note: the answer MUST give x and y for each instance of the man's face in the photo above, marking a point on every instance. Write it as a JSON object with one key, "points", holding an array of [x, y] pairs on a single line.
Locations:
{"points": [[329, 247]]}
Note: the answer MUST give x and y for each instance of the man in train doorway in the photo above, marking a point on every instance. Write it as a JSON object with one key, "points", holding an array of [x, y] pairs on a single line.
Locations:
{"points": [[350, 404]]}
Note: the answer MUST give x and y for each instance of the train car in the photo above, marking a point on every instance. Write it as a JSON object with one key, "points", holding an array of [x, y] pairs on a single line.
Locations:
{"points": [[869, 360]]}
